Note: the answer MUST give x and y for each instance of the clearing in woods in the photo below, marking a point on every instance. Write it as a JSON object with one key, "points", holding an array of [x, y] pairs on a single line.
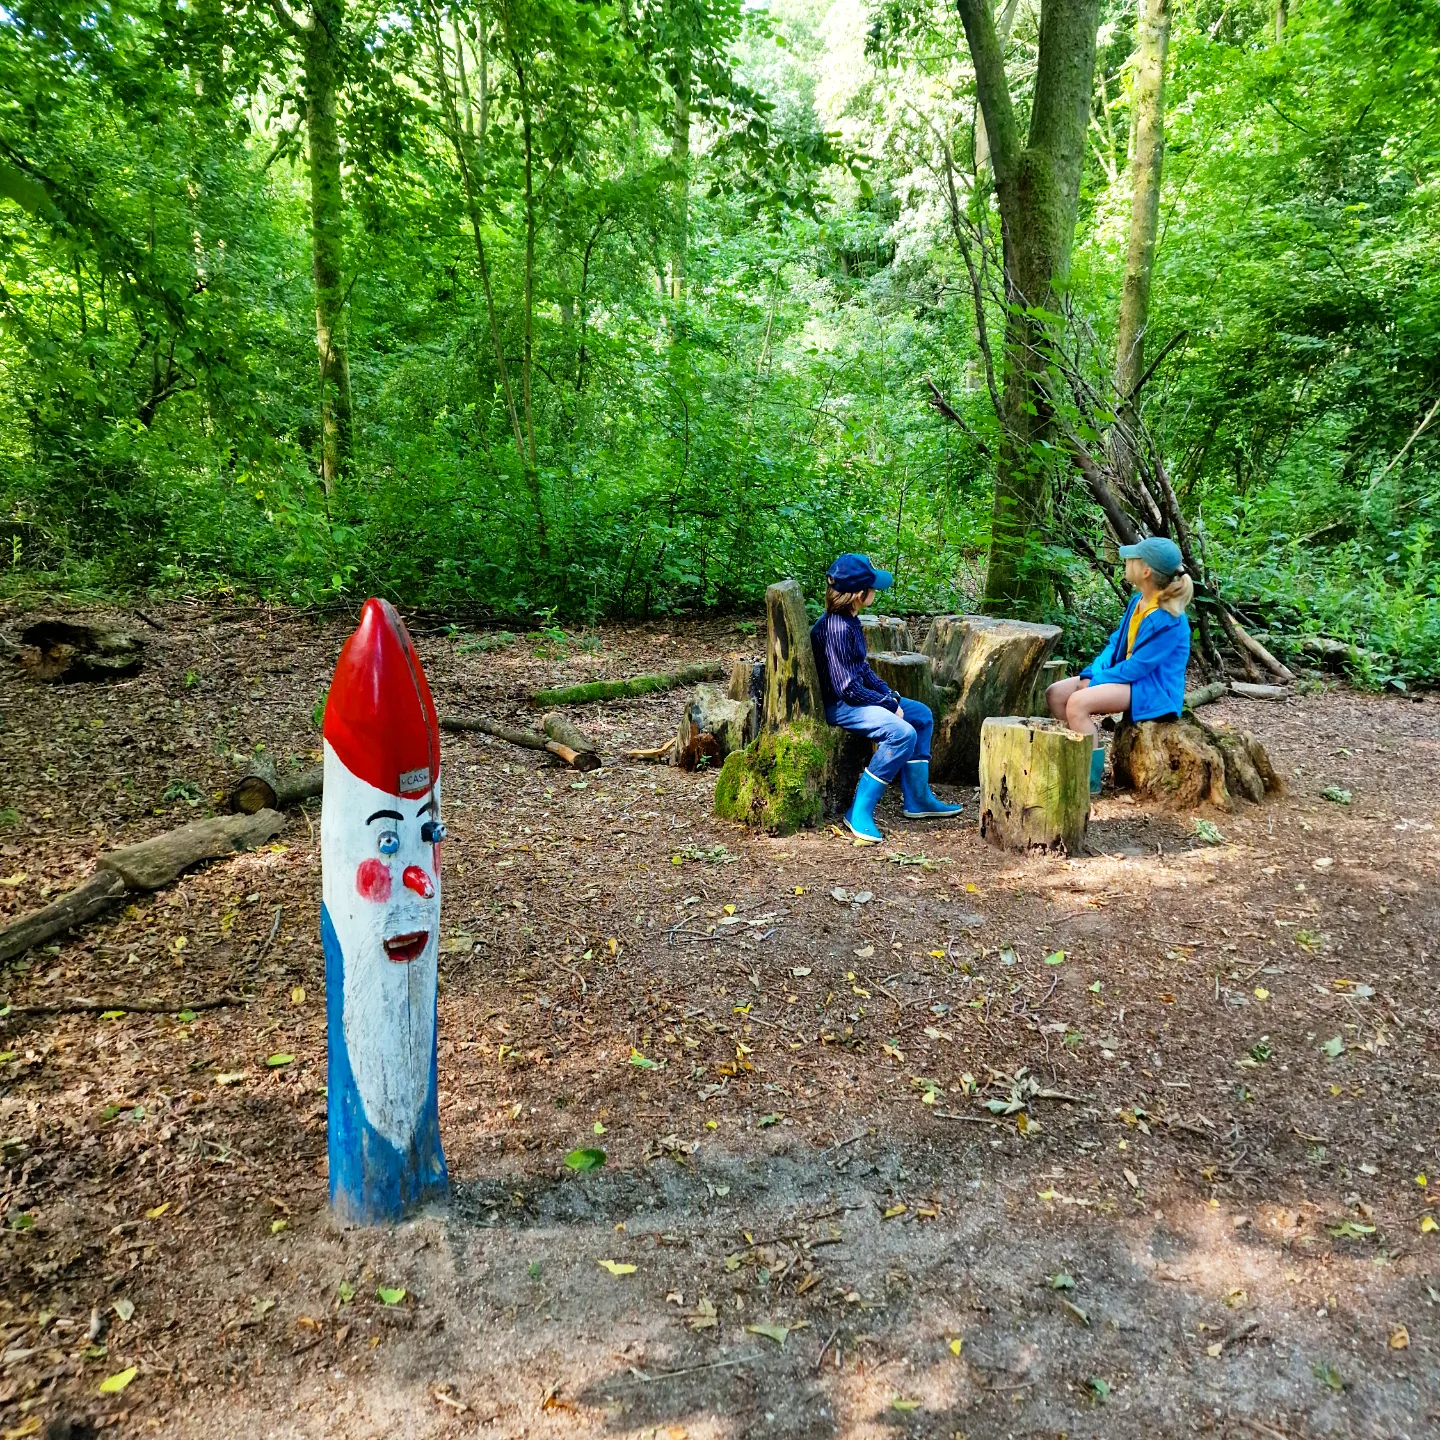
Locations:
{"points": [[1208, 1210]]}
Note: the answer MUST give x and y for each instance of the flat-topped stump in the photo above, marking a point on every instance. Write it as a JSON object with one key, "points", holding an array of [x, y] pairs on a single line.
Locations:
{"points": [[1034, 784]]}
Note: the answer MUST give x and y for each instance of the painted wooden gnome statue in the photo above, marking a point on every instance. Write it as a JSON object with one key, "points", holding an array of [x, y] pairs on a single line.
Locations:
{"points": [[380, 923]]}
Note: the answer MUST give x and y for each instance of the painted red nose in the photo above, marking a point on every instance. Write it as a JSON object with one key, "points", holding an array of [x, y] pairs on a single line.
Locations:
{"points": [[418, 881]]}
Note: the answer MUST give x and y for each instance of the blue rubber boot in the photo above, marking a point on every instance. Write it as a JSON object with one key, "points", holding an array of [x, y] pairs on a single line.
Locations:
{"points": [[860, 818], [919, 800], [1097, 768]]}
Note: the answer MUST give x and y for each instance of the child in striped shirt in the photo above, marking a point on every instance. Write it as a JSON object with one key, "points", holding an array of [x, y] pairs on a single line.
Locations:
{"points": [[856, 698]]}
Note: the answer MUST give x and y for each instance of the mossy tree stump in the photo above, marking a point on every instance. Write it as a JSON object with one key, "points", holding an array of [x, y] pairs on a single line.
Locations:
{"points": [[993, 666], [799, 766], [1034, 784], [1185, 764]]}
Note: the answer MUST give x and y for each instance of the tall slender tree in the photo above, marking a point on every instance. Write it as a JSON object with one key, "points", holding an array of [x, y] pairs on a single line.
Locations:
{"points": [[319, 39], [1037, 184], [1152, 38]]}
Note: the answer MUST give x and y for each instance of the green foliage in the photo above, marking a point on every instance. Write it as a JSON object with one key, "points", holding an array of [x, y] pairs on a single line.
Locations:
{"points": [[675, 447]]}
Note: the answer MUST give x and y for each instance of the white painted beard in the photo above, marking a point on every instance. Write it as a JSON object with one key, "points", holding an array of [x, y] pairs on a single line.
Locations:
{"points": [[389, 1004]]}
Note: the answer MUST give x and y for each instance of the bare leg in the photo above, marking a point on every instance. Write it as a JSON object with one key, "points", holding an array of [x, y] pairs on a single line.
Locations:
{"points": [[1057, 696], [1084, 705]]}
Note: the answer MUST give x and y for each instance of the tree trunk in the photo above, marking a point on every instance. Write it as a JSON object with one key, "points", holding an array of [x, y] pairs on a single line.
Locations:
{"points": [[792, 684], [1152, 38], [323, 65], [1037, 185], [1034, 785], [993, 665], [680, 158]]}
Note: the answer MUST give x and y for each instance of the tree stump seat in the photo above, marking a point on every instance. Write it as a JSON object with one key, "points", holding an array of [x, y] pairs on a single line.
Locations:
{"points": [[1186, 764], [799, 766]]}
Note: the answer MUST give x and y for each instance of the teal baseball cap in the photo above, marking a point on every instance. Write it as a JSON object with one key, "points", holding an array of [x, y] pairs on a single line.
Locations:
{"points": [[1161, 555]]}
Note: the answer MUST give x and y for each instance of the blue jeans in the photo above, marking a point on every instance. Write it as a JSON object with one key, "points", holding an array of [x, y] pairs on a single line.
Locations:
{"points": [[898, 738]]}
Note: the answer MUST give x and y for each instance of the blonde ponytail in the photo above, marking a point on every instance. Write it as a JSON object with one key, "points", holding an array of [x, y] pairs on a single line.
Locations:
{"points": [[1177, 595]]}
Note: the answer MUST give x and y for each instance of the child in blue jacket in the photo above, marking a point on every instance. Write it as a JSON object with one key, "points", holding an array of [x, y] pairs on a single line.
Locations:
{"points": [[856, 698], [1141, 670]]}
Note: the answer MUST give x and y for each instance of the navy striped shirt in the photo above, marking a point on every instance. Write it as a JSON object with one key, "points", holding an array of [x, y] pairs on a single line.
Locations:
{"points": [[839, 645]]}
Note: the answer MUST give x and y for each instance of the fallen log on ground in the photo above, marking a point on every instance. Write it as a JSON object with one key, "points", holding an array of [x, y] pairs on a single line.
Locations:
{"points": [[526, 739], [258, 787], [76, 650], [149, 865], [1185, 763], [628, 689], [1207, 694], [78, 1005]]}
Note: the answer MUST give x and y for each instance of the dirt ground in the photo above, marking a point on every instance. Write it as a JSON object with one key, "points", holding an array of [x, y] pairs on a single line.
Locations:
{"points": [[1219, 1221]]}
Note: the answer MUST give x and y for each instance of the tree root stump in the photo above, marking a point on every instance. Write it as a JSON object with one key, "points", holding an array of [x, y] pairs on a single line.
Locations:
{"points": [[72, 650], [712, 727], [1185, 764]]}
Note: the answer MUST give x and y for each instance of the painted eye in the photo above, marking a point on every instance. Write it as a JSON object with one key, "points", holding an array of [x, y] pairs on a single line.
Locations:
{"points": [[389, 842]]}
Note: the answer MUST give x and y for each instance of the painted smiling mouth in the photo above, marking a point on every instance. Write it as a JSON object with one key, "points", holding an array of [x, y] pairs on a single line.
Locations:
{"points": [[402, 949]]}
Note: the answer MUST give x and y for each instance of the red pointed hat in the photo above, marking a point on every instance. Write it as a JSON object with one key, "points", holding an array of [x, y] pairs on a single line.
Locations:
{"points": [[380, 719]]}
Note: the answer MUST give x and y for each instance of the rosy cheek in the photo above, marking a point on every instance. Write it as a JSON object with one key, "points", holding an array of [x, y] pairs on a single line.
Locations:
{"points": [[372, 880]]}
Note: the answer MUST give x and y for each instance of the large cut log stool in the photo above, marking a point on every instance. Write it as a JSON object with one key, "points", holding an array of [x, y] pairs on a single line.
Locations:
{"points": [[885, 632], [1034, 784], [991, 668]]}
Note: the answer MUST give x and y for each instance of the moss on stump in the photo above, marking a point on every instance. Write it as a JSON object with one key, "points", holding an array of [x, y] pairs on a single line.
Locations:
{"points": [[780, 781]]}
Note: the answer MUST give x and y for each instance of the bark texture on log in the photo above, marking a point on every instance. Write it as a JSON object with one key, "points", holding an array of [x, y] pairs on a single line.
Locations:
{"points": [[912, 675], [712, 726], [792, 684], [628, 689], [526, 739], [146, 866], [258, 787], [1185, 764], [886, 633], [157, 861], [1034, 784], [993, 665], [1050, 672], [72, 650], [747, 682], [557, 727], [84, 903]]}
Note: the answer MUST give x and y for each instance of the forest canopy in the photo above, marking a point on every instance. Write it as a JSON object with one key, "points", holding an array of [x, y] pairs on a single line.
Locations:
{"points": [[583, 309]]}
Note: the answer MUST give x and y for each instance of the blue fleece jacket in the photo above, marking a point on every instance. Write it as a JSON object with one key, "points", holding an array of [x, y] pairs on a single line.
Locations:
{"points": [[1154, 670], [839, 645]]}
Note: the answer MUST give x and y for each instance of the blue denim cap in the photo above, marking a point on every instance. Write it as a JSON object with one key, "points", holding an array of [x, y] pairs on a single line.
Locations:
{"points": [[1161, 555], [853, 573]]}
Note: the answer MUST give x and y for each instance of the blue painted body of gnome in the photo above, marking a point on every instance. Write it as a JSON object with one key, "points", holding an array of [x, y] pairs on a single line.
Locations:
{"points": [[380, 924], [370, 1179]]}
